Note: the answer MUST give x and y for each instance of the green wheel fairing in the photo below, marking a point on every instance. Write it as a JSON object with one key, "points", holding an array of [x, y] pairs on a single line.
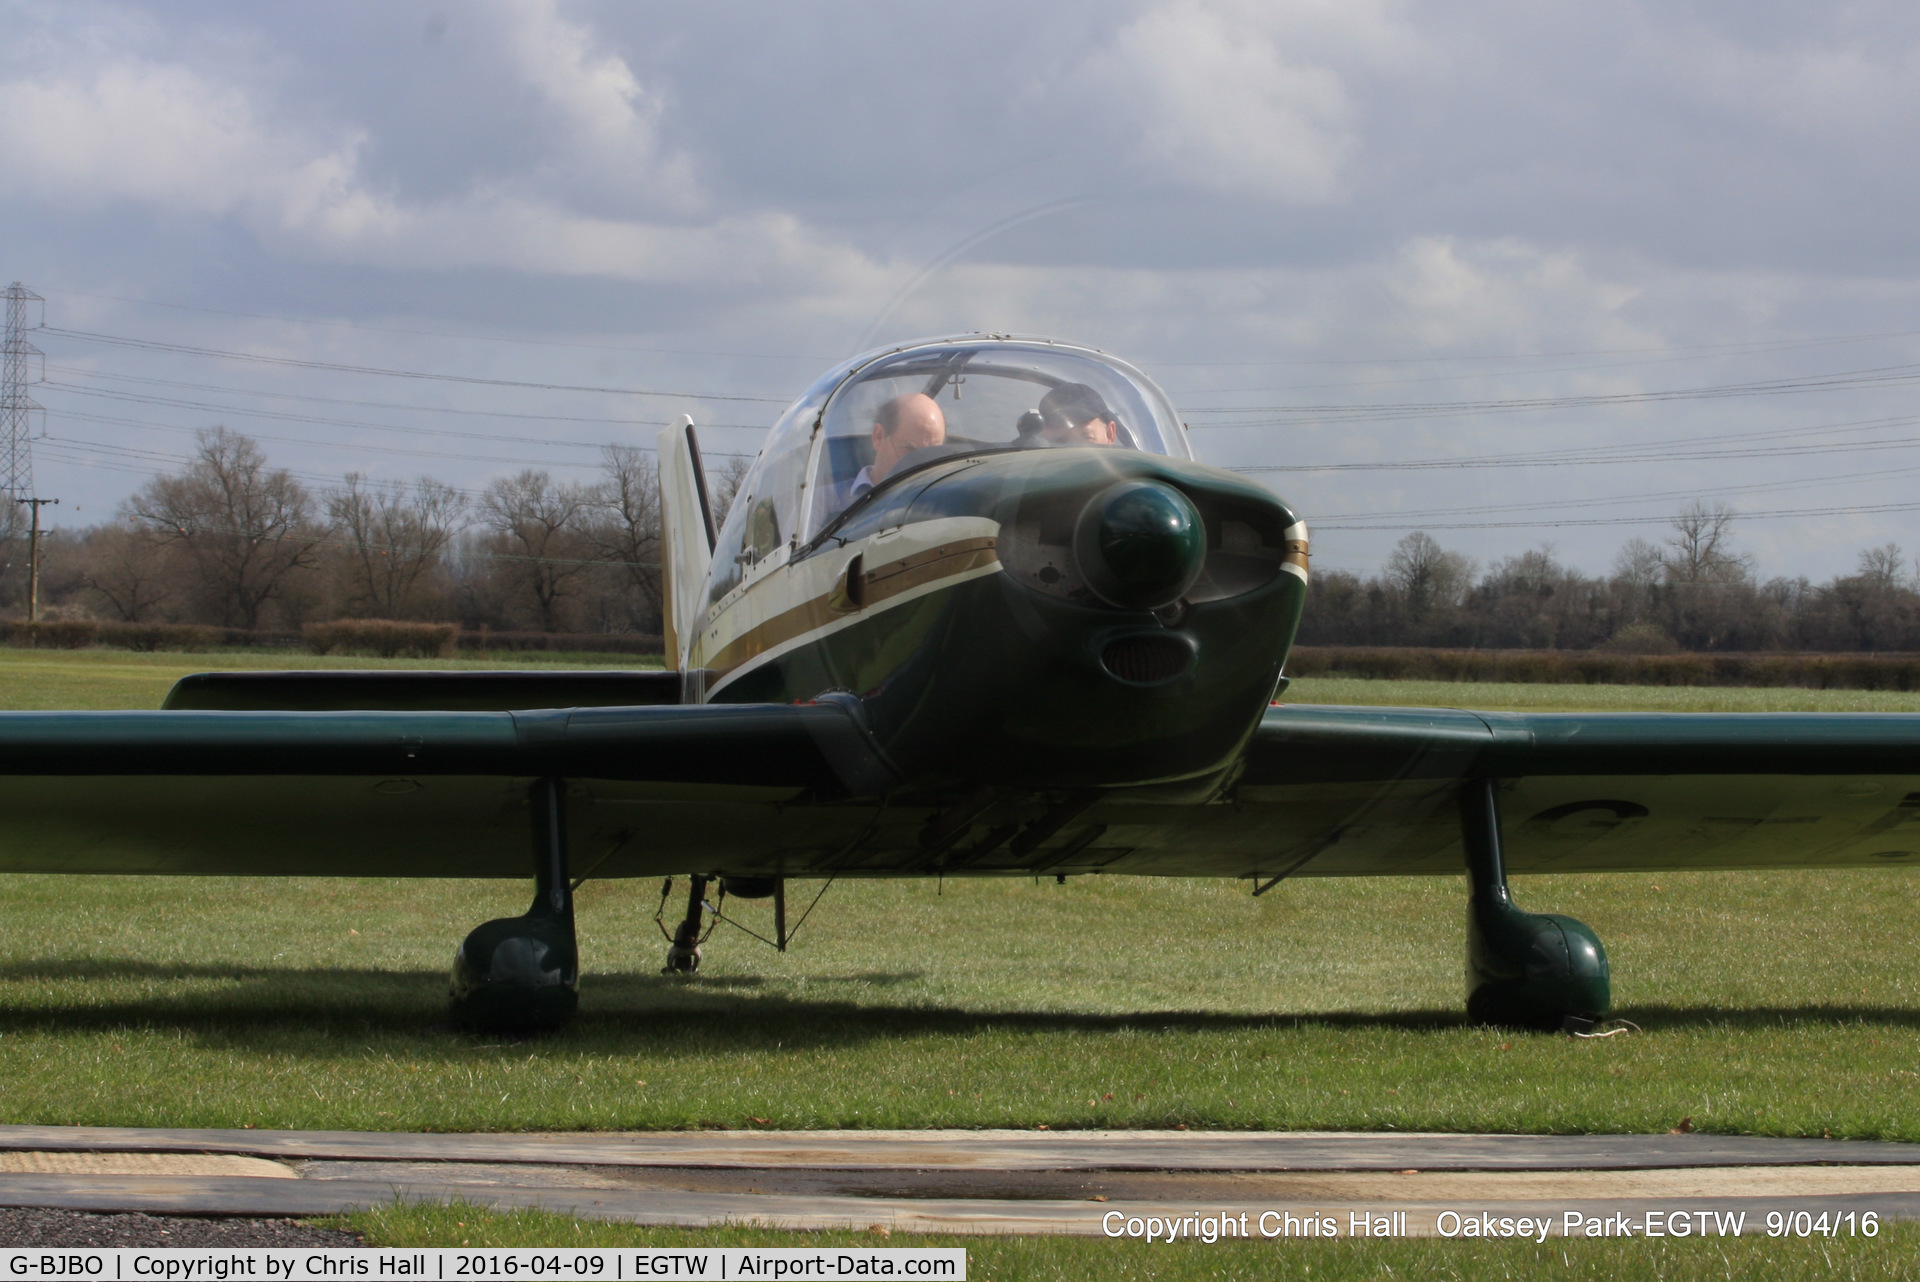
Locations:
{"points": [[522, 973], [1524, 970]]}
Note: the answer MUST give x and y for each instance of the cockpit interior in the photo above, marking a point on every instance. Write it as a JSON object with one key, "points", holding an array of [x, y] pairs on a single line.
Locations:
{"points": [[885, 415]]}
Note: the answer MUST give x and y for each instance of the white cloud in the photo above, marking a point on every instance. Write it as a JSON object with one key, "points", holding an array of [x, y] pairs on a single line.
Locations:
{"points": [[1426, 297], [1503, 295], [158, 135], [614, 120], [1362, 192], [1838, 85], [168, 138], [1242, 98], [502, 230]]}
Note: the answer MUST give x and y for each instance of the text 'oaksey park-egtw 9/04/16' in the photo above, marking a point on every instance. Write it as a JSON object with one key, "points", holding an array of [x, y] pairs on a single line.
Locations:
{"points": [[1673, 1222], [1683, 1222]]}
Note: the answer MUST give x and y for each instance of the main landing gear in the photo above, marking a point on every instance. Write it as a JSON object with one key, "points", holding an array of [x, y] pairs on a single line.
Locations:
{"points": [[1524, 970], [522, 974]]}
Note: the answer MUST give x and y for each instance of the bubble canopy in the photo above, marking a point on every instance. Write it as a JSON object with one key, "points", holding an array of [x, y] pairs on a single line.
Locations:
{"points": [[887, 413]]}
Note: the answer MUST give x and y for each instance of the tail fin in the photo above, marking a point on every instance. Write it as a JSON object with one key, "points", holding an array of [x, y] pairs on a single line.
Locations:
{"points": [[686, 538]]}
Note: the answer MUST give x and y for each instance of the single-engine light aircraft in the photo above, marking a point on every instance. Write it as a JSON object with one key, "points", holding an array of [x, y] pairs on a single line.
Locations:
{"points": [[975, 611]]}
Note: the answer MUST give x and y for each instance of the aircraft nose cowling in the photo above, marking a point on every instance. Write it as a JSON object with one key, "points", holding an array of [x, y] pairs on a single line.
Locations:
{"points": [[1140, 544]]}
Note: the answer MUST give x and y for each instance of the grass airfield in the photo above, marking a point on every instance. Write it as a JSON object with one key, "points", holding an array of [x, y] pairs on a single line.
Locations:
{"points": [[1780, 1003], [52, 680]]}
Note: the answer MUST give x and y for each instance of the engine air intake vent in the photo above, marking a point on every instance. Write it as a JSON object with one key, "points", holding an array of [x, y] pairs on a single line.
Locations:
{"points": [[1147, 660]]}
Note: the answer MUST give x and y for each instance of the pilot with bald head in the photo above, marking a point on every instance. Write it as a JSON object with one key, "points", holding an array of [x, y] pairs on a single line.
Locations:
{"points": [[900, 426]]}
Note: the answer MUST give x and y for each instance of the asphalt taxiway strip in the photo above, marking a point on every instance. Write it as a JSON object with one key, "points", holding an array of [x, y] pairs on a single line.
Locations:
{"points": [[959, 1182], [1003, 1150]]}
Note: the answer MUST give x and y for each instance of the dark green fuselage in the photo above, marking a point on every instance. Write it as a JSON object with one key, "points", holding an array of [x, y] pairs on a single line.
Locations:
{"points": [[1011, 678]]}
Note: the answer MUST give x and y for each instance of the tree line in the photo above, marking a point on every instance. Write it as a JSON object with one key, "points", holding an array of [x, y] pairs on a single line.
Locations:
{"points": [[1694, 590], [231, 541], [234, 542]]}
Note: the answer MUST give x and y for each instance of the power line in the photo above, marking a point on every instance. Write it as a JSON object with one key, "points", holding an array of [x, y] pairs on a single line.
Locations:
{"points": [[228, 390], [1705, 447], [1761, 487], [184, 349], [435, 333], [278, 416], [168, 402], [1770, 514], [1584, 456], [116, 458], [1666, 352], [348, 446], [1480, 374], [1753, 346], [1890, 375]]}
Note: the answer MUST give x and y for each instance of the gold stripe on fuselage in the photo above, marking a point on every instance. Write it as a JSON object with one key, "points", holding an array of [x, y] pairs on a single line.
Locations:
{"points": [[941, 562], [953, 560]]}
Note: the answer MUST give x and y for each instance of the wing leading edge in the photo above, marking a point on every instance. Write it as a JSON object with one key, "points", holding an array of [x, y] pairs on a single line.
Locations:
{"points": [[1326, 791], [821, 746], [408, 793]]}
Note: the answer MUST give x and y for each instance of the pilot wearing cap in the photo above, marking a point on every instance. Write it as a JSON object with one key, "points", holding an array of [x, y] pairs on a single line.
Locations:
{"points": [[1075, 414]]}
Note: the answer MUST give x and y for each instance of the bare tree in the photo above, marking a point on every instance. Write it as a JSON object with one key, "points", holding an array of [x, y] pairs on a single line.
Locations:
{"points": [[1639, 564], [125, 566], [723, 485], [395, 536], [1427, 574], [626, 531], [540, 544], [245, 527], [1883, 567], [1700, 549]]}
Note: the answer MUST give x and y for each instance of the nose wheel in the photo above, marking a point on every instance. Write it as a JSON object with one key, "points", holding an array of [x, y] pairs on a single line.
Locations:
{"points": [[683, 944]]}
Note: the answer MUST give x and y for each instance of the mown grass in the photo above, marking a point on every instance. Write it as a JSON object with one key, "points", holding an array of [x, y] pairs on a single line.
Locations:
{"points": [[1501, 696], [46, 680], [1889, 1255], [100, 679], [1781, 1003]]}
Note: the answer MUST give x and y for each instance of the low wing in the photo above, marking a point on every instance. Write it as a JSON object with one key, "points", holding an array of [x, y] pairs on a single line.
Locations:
{"points": [[1342, 791], [436, 793], [802, 789], [1371, 790]]}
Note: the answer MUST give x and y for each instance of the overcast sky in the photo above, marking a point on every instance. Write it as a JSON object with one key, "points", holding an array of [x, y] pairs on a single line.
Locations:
{"points": [[1344, 233]]}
